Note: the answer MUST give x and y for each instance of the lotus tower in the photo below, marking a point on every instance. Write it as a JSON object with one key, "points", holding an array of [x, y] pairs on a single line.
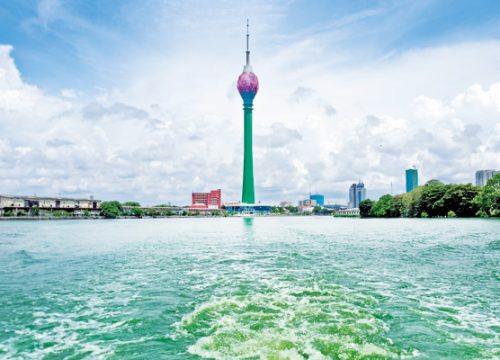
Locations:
{"points": [[248, 85]]}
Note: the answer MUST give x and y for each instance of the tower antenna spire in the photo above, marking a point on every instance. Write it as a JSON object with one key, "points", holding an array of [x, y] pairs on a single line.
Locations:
{"points": [[248, 42]]}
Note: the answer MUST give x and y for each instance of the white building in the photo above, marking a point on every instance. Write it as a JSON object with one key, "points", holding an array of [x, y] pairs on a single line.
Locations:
{"points": [[353, 212], [482, 176], [28, 204]]}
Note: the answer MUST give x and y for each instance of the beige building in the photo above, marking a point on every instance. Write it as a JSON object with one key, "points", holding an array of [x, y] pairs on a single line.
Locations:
{"points": [[307, 205], [43, 205]]}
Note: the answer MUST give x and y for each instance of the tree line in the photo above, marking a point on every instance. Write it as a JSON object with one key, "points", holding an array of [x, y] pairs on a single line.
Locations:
{"points": [[436, 199], [114, 209]]}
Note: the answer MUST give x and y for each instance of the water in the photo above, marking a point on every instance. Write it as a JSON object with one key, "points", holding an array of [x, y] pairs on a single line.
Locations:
{"points": [[271, 288]]}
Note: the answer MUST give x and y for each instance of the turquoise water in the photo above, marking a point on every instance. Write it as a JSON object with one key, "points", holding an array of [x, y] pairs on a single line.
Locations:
{"points": [[270, 288]]}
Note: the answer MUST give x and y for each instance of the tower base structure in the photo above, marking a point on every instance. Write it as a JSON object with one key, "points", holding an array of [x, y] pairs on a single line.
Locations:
{"points": [[247, 209]]}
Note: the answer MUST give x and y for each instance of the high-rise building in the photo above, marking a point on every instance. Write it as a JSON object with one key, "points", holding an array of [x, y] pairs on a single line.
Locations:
{"points": [[360, 193], [210, 200], [352, 196], [357, 193], [248, 85], [411, 179], [482, 176], [320, 199]]}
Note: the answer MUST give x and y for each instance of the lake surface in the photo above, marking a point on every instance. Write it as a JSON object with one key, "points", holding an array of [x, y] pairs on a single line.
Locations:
{"points": [[270, 288]]}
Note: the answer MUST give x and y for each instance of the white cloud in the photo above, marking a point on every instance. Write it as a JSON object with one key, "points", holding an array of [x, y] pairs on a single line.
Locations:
{"points": [[174, 129]]}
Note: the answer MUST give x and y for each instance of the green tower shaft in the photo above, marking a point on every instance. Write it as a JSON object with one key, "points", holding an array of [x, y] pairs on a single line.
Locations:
{"points": [[248, 194]]}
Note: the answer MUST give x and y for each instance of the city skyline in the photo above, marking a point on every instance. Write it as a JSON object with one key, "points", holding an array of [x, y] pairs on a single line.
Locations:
{"points": [[128, 110]]}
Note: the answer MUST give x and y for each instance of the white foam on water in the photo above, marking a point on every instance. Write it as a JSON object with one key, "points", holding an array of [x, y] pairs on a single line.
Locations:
{"points": [[55, 332], [287, 321]]}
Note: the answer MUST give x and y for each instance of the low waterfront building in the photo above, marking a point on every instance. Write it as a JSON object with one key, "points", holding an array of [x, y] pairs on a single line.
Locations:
{"points": [[334, 206], [39, 205], [349, 212], [482, 176], [248, 209]]}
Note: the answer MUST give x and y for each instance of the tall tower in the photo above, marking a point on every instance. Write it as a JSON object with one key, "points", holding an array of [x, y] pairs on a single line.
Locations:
{"points": [[248, 85]]}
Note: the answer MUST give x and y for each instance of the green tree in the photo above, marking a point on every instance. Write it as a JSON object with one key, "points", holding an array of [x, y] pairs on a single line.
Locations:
{"points": [[111, 209], [167, 213], [412, 202], [459, 199], [8, 213], [277, 210], [431, 200], [317, 210], [437, 199], [433, 182], [152, 212], [398, 206], [365, 208], [488, 198], [325, 211], [131, 203], [60, 213], [292, 209], [383, 207], [137, 212]]}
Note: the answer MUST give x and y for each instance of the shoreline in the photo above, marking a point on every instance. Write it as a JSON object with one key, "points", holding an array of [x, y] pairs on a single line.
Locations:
{"points": [[35, 218], [43, 218]]}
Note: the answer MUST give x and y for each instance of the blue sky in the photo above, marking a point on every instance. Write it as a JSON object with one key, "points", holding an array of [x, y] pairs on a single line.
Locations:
{"points": [[349, 90], [60, 44]]}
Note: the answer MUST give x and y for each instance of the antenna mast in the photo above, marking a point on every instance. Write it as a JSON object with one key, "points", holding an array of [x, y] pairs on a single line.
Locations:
{"points": [[248, 41]]}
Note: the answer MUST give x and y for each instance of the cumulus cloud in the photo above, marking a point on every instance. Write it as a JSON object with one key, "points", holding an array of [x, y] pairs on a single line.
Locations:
{"points": [[51, 145], [301, 94], [279, 136], [157, 143], [96, 111]]}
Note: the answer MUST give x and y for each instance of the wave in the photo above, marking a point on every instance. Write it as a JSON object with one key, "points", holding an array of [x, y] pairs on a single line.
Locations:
{"points": [[25, 257], [494, 245], [288, 321]]}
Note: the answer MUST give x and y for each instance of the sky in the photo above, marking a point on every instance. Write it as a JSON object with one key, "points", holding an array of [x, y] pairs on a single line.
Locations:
{"points": [[133, 100]]}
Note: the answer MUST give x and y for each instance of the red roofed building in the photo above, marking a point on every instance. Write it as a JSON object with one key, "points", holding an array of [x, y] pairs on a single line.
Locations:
{"points": [[210, 200]]}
